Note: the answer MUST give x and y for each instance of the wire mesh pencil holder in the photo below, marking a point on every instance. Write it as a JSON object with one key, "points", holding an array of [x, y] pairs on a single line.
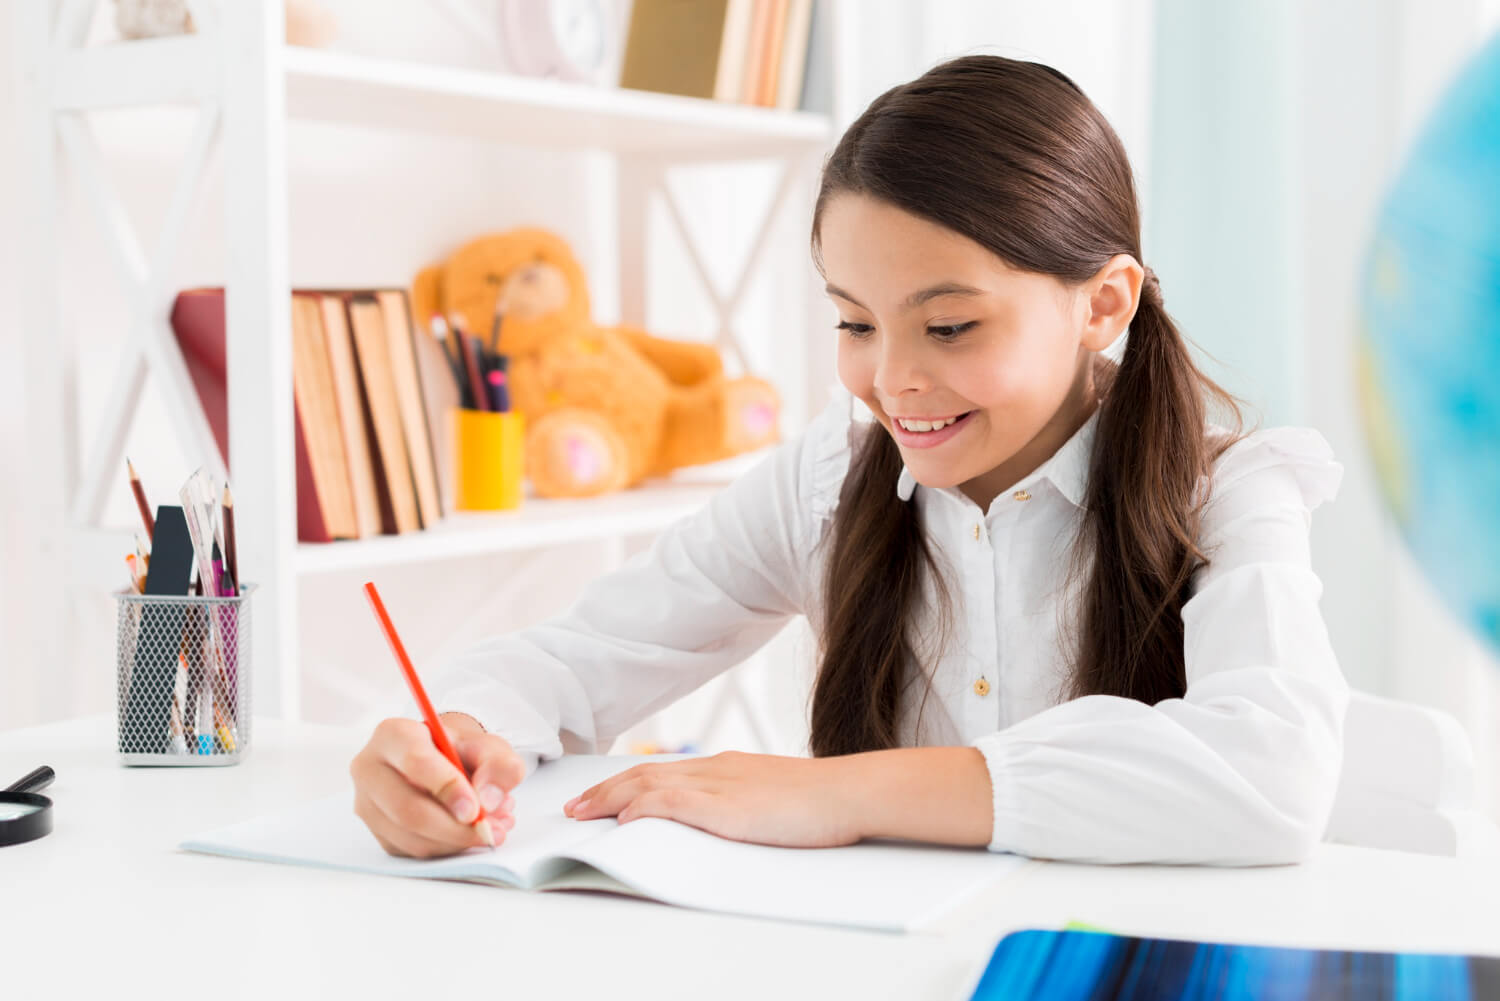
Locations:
{"points": [[182, 679]]}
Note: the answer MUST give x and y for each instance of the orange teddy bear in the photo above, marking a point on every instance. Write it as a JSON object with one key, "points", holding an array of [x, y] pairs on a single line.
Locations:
{"points": [[605, 407]]}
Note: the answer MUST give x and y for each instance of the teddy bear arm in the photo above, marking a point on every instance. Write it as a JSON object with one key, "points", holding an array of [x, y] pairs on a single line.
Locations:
{"points": [[714, 421], [684, 363]]}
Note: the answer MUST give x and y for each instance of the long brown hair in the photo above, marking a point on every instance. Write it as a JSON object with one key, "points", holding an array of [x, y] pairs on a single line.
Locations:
{"points": [[1014, 156]]}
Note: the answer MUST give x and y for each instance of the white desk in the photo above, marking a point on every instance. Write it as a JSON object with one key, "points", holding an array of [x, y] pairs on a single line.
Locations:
{"points": [[105, 906]]}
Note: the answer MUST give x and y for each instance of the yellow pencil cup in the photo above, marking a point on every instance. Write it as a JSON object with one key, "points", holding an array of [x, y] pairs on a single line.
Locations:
{"points": [[490, 459]]}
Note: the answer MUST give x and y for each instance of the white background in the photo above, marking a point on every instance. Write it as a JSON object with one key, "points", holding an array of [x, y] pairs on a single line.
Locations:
{"points": [[1335, 89]]}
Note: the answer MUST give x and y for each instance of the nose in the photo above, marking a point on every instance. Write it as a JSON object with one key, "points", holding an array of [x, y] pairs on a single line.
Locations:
{"points": [[899, 369]]}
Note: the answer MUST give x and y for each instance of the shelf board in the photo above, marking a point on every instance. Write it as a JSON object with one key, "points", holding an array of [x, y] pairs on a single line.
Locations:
{"points": [[329, 86], [646, 509], [538, 523], [383, 93]]}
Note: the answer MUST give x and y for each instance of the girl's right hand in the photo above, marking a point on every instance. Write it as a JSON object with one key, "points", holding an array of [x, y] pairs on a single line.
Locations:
{"points": [[417, 804]]}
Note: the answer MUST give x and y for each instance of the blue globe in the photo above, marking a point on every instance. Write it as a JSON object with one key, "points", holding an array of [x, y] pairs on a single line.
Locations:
{"points": [[1429, 347]]}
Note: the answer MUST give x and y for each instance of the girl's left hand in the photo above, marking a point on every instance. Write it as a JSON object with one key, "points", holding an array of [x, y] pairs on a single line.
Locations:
{"points": [[761, 798]]}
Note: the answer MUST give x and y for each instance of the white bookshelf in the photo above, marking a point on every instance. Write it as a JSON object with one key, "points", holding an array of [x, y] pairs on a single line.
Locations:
{"points": [[349, 89], [246, 85]]}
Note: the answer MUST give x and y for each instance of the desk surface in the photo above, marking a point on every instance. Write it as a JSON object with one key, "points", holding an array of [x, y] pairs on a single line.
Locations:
{"points": [[106, 904]]}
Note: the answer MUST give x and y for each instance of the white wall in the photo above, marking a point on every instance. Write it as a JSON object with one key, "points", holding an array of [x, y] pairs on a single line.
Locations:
{"points": [[18, 670]]}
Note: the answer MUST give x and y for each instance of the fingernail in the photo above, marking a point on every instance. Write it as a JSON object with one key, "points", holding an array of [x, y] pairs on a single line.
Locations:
{"points": [[569, 804], [491, 797], [509, 822], [509, 804], [580, 806], [463, 809]]}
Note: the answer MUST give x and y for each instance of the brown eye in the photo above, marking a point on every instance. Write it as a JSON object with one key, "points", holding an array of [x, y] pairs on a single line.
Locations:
{"points": [[950, 333], [856, 330]]}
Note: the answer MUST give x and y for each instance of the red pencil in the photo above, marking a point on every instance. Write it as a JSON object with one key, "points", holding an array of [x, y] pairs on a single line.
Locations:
{"points": [[434, 726], [140, 500]]}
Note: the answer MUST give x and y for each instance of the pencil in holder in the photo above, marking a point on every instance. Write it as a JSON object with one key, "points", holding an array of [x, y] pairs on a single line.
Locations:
{"points": [[182, 679], [490, 459]]}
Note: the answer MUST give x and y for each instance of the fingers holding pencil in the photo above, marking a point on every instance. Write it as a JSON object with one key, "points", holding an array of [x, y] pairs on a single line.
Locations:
{"points": [[415, 801], [409, 768]]}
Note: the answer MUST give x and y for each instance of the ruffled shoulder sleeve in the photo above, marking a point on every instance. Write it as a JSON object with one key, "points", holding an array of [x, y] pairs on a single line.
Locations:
{"points": [[1264, 489], [1299, 454], [826, 448]]}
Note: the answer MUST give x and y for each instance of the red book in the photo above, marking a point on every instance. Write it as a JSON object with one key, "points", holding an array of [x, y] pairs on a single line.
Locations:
{"points": [[198, 323]]}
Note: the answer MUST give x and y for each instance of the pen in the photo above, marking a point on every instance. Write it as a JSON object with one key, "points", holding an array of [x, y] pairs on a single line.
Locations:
{"points": [[179, 742], [231, 560], [225, 735], [499, 379], [495, 331], [193, 701], [434, 726]]}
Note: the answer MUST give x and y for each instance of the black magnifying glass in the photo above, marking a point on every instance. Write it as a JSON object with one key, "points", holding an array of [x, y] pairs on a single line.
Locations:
{"points": [[26, 815]]}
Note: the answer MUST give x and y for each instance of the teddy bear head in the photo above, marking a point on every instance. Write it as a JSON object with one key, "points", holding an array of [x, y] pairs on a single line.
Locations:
{"points": [[529, 276]]}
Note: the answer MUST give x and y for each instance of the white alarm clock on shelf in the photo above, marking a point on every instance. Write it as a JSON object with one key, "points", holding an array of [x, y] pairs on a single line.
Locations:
{"points": [[564, 39]]}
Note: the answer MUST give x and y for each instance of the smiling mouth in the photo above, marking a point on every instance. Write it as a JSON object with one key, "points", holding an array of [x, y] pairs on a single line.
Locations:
{"points": [[921, 426]]}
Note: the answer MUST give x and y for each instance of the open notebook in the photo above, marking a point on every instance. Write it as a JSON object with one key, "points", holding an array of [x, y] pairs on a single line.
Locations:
{"points": [[885, 885]]}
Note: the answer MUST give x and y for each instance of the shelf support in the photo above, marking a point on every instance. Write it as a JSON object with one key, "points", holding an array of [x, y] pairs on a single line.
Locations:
{"points": [[638, 179], [257, 302], [734, 694], [148, 344], [72, 23], [726, 306], [49, 360]]}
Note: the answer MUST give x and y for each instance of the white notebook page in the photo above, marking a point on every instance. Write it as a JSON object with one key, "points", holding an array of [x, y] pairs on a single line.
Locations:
{"points": [[892, 886]]}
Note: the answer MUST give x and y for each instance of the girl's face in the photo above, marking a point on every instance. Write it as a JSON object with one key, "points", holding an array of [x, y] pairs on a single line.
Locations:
{"points": [[978, 371]]}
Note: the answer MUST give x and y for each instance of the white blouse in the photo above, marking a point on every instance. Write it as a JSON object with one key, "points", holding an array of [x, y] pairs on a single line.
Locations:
{"points": [[1239, 771]]}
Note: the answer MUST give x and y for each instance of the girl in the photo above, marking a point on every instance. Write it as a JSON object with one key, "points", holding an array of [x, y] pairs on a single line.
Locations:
{"points": [[1060, 613]]}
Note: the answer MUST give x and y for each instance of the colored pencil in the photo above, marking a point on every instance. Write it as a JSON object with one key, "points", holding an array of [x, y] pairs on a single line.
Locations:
{"points": [[140, 500], [434, 725]]}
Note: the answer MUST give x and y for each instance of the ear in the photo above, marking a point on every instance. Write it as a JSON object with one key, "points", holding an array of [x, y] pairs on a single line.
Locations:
{"points": [[1113, 295]]}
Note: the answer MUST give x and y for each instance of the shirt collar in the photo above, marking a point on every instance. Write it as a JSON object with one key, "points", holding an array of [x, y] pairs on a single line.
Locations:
{"points": [[1067, 469]]}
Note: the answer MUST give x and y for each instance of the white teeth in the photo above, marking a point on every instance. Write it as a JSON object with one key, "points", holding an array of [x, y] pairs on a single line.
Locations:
{"points": [[924, 425]]}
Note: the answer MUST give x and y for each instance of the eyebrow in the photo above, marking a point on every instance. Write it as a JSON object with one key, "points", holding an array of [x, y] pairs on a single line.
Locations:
{"points": [[916, 298]]}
